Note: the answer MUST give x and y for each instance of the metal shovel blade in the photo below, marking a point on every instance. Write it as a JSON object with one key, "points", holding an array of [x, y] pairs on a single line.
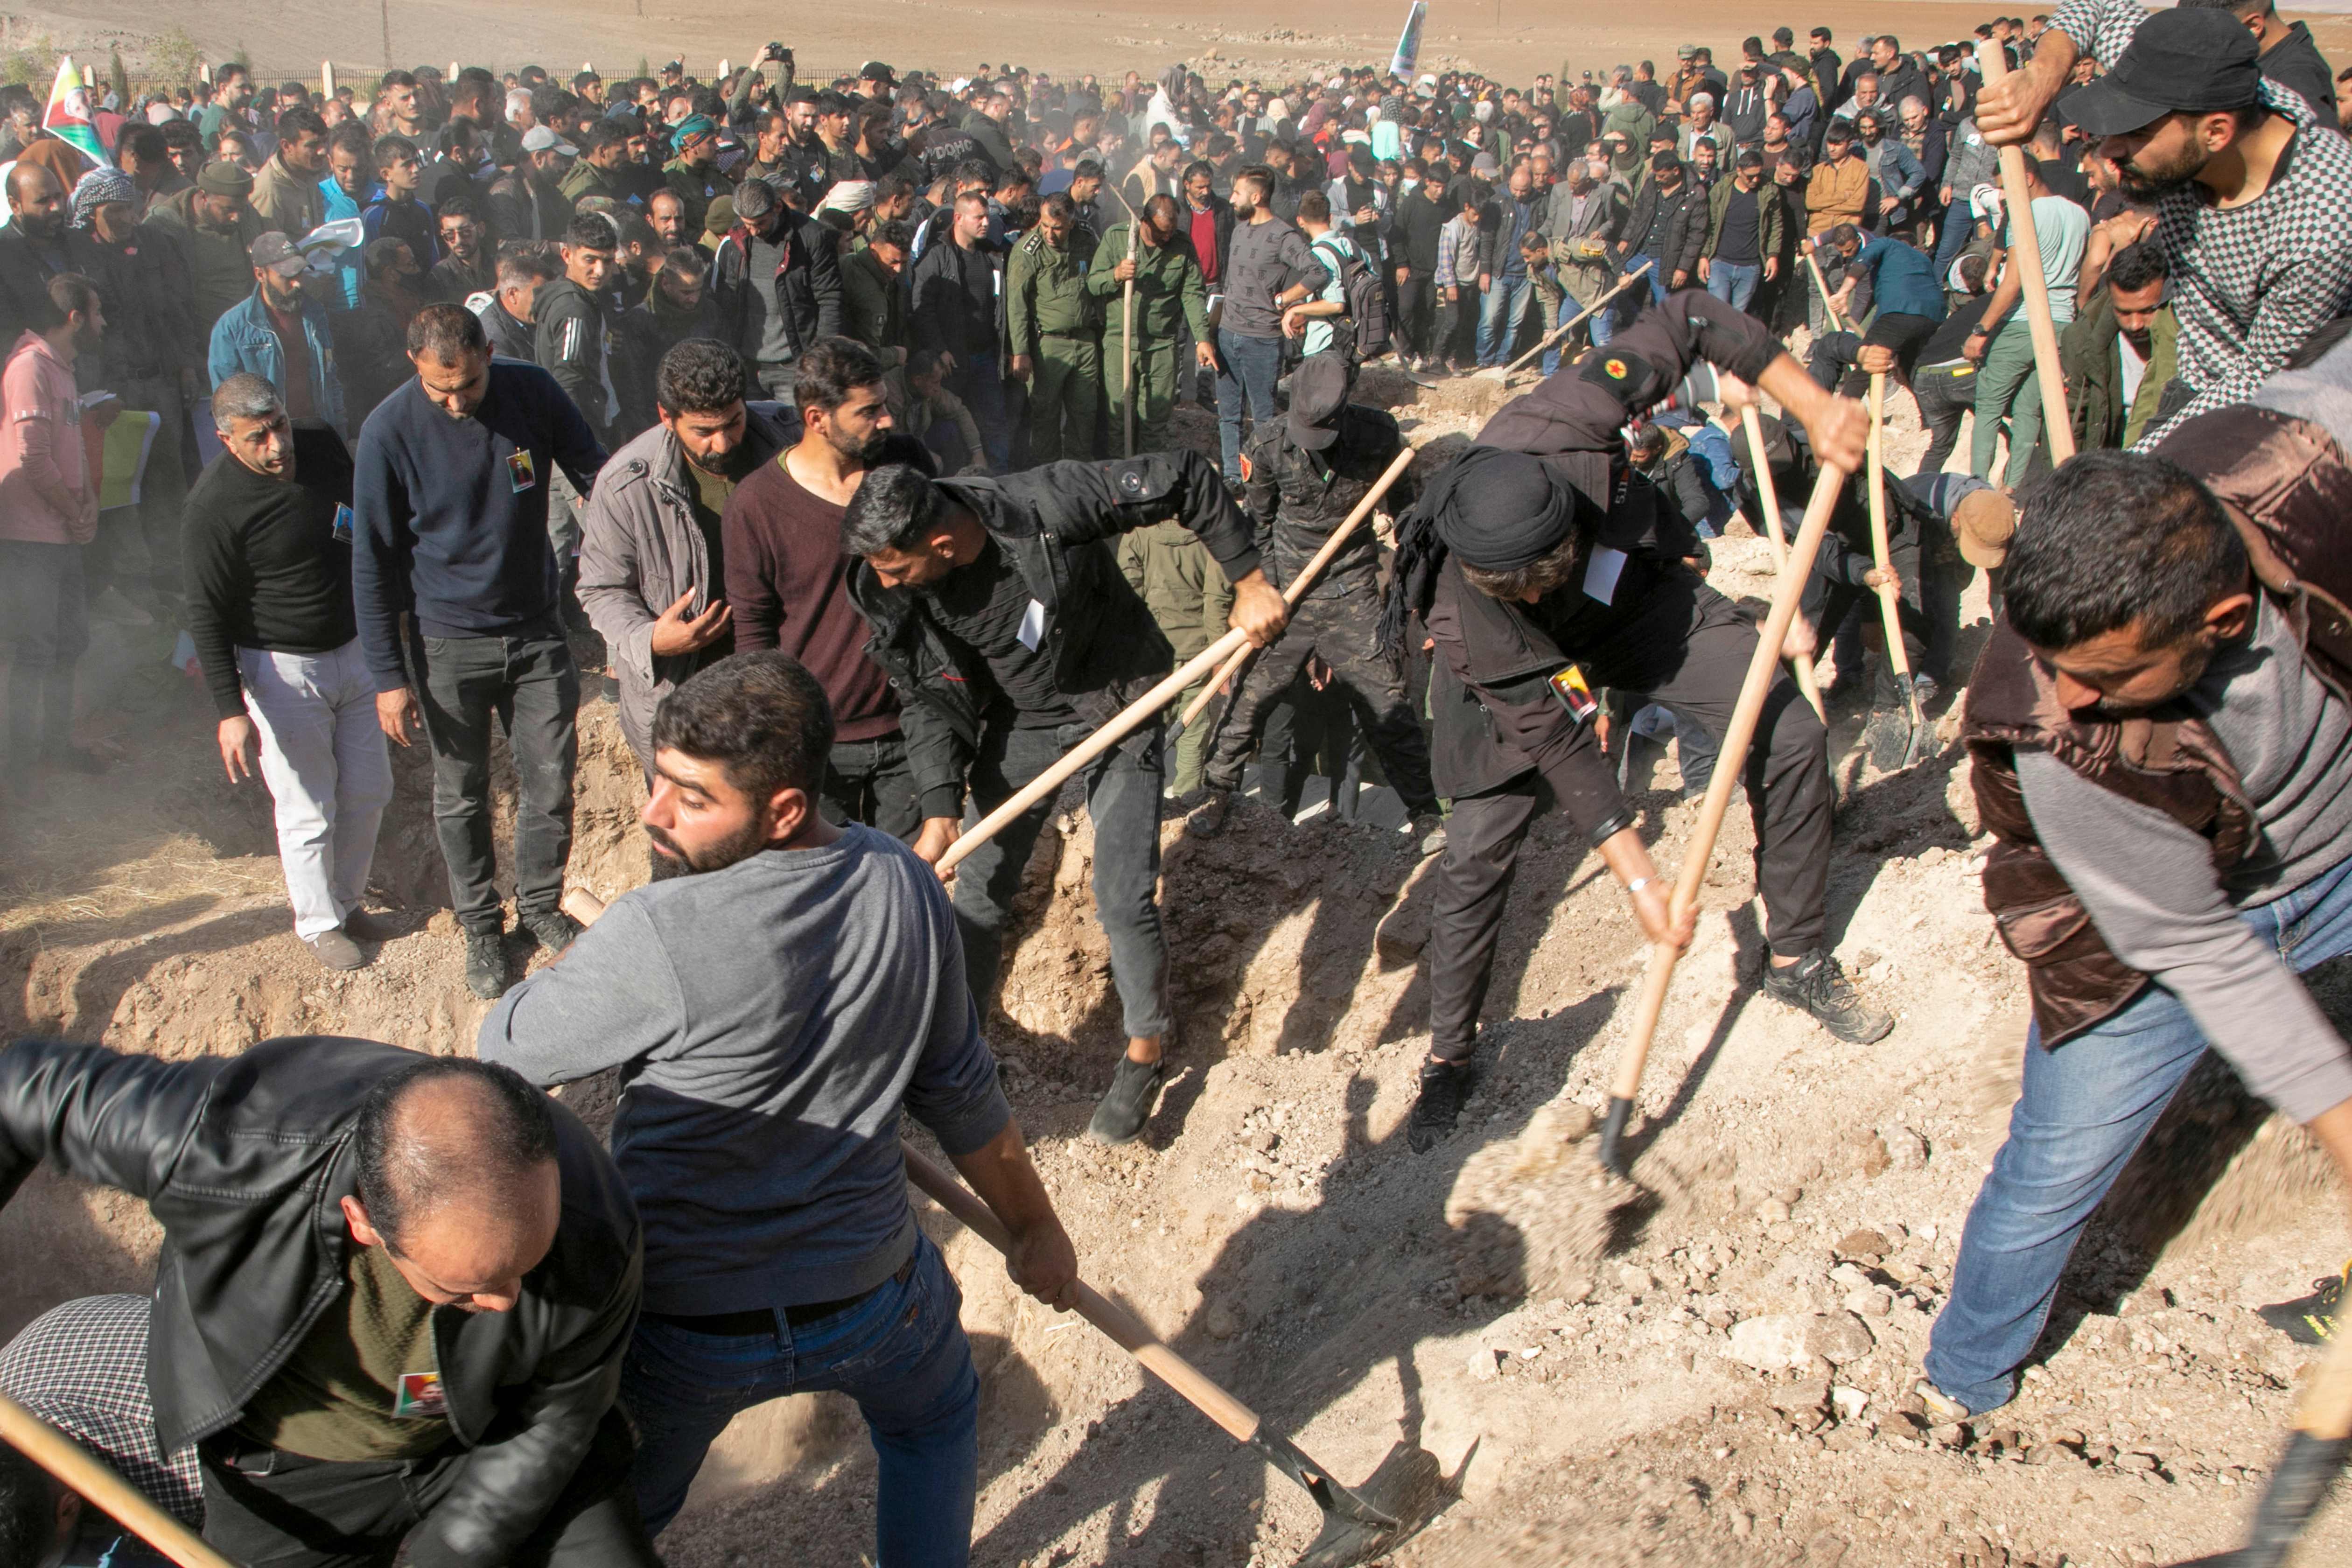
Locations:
{"points": [[1360, 1524]]}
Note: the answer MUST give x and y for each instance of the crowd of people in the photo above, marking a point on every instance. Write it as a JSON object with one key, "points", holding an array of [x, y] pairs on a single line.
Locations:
{"points": [[838, 421]]}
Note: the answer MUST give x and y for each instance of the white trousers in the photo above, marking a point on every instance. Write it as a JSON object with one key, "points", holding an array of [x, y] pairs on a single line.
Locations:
{"points": [[324, 759]]}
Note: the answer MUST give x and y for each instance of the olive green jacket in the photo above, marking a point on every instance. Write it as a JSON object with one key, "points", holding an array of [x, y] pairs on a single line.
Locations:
{"points": [[1046, 291], [1168, 289]]}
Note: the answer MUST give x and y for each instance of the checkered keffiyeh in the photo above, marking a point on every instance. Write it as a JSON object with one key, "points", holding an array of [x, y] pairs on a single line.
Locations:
{"points": [[2251, 285], [82, 1368]]}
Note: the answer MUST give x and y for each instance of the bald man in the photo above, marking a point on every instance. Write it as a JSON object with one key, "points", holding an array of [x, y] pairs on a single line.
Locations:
{"points": [[392, 1298]]}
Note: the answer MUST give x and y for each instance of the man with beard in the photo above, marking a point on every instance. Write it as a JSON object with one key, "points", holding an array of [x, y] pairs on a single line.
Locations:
{"points": [[281, 334], [2192, 899], [1001, 613], [652, 566], [786, 579], [783, 973], [2249, 187], [467, 265]]}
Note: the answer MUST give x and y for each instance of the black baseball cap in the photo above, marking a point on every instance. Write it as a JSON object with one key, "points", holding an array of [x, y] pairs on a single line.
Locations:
{"points": [[2193, 61], [1318, 390]]}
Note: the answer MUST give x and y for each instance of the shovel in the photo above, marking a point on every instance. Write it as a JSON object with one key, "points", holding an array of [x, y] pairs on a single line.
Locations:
{"points": [[1358, 1525], [1886, 753], [1730, 764], [1560, 333], [77, 1471], [1768, 497], [2314, 1456]]}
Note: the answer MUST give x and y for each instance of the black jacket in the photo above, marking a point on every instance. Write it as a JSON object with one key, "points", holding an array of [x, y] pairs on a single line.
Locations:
{"points": [[1221, 212], [1413, 228], [1057, 523], [1494, 718], [955, 295], [571, 340], [1295, 497], [244, 1161], [2295, 62], [989, 139], [1685, 237], [509, 339], [808, 285], [24, 277]]}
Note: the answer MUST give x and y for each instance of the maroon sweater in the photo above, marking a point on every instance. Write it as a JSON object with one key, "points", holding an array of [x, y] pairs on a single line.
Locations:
{"points": [[787, 581]]}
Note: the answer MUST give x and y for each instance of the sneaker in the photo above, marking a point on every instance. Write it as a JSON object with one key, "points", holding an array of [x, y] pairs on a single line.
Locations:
{"points": [[1209, 818], [486, 963], [335, 950], [2311, 1321], [1443, 1088], [1126, 1104], [1430, 828], [551, 929], [1942, 1408], [1815, 984]]}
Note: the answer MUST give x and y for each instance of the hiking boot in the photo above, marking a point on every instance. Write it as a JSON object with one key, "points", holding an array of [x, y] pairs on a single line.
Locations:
{"points": [[1816, 985], [1443, 1087], [1126, 1104], [2311, 1321], [335, 950], [1430, 829], [1208, 818], [551, 929], [486, 963]]}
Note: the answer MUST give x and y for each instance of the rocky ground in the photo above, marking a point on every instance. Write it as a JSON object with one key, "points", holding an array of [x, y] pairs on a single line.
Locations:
{"points": [[1729, 1383]]}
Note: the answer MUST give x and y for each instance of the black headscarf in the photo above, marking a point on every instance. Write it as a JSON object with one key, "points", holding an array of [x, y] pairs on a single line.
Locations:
{"points": [[1499, 511]]}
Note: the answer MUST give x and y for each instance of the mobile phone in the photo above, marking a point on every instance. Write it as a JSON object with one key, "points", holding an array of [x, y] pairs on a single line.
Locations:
{"points": [[1575, 693]]}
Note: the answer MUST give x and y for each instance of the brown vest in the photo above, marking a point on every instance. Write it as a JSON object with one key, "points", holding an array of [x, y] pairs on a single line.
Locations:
{"points": [[2287, 486]]}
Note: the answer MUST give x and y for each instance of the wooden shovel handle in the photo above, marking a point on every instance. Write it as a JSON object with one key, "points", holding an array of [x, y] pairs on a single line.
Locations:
{"points": [[1890, 597], [1123, 1327], [1730, 764], [1767, 496], [76, 1468], [1306, 575], [2025, 254]]}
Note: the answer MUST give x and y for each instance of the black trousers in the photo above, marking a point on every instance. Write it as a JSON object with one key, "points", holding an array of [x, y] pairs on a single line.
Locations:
{"points": [[1344, 629], [1832, 362], [1688, 650], [529, 686], [1945, 392], [1416, 300], [871, 782], [269, 1510]]}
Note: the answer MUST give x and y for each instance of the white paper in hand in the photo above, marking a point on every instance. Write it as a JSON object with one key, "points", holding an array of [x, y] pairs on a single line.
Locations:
{"points": [[1601, 574]]}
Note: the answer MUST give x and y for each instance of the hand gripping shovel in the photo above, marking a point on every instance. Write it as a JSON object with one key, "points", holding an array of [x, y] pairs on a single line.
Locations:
{"points": [[2314, 1456], [1729, 766], [1356, 1525], [1768, 497], [1885, 753]]}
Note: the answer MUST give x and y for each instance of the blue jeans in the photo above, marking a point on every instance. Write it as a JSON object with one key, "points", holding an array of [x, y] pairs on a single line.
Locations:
{"points": [[979, 380], [1629, 304], [1953, 232], [1249, 365], [2083, 1111], [1500, 314], [901, 1352], [1733, 283]]}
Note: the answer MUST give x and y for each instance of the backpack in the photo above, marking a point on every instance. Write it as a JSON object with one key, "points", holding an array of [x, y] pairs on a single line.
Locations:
{"points": [[1368, 306]]}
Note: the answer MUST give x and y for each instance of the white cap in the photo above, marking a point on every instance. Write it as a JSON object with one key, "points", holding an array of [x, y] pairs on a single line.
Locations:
{"points": [[539, 139]]}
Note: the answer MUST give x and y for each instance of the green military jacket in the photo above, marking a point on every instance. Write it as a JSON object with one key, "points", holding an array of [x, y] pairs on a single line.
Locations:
{"points": [[1168, 287], [697, 188], [1180, 584], [1046, 291], [584, 179]]}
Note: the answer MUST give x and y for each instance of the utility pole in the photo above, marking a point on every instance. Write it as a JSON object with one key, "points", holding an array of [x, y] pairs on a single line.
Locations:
{"points": [[384, 10]]}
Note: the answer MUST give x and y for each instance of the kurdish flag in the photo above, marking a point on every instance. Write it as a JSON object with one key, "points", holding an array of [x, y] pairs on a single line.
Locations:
{"points": [[67, 115]]}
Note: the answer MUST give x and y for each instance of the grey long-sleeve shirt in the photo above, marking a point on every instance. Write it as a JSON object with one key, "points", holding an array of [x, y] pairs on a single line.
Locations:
{"points": [[773, 1018], [2149, 884]]}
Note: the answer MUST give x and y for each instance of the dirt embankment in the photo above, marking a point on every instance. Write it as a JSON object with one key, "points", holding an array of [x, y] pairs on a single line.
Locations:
{"points": [[1728, 1384]]}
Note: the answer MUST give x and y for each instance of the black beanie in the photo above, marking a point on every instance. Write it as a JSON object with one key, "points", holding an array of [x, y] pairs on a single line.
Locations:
{"points": [[1500, 510]]}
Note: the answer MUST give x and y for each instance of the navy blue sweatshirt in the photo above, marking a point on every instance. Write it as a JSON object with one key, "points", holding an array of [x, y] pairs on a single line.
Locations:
{"points": [[453, 513]]}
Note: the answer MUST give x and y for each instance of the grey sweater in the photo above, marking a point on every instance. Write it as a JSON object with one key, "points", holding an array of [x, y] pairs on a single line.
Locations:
{"points": [[774, 1020], [2149, 885]]}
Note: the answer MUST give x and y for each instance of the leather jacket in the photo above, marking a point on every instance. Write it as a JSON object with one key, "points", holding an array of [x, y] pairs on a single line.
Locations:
{"points": [[243, 1161]]}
